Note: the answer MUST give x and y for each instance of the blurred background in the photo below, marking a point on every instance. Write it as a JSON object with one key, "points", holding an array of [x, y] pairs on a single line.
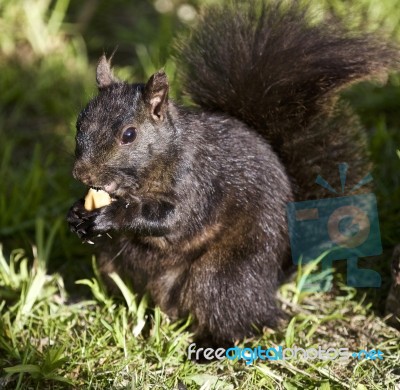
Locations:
{"points": [[48, 53]]}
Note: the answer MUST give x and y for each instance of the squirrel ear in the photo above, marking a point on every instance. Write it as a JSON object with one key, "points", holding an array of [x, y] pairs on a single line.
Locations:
{"points": [[104, 75], [156, 94]]}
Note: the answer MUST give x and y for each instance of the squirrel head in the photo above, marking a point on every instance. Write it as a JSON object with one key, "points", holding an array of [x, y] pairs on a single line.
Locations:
{"points": [[123, 134]]}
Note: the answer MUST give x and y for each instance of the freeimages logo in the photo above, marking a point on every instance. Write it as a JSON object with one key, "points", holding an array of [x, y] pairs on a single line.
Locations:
{"points": [[342, 228]]}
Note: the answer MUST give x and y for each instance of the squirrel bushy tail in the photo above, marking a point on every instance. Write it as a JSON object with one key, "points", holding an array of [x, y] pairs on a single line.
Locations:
{"points": [[273, 67]]}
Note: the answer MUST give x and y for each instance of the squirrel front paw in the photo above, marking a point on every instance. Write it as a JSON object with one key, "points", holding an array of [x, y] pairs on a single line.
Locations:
{"points": [[89, 224], [81, 221]]}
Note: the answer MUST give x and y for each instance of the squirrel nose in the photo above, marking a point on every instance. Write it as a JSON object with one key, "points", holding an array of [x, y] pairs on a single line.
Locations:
{"points": [[81, 173]]}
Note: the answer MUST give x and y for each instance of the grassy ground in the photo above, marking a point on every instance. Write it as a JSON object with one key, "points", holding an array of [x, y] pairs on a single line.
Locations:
{"points": [[58, 326]]}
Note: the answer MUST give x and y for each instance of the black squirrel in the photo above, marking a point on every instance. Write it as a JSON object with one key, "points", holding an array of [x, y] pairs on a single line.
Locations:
{"points": [[199, 212]]}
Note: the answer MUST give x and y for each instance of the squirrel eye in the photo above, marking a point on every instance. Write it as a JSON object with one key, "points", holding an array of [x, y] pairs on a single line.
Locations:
{"points": [[128, 136]]}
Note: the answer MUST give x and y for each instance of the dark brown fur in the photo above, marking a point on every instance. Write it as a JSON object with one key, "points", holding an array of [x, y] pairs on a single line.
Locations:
{"points": [[199, 219]]}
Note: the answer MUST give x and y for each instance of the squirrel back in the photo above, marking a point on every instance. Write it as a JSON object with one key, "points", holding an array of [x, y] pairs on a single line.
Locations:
{"points": [[274, 68]]}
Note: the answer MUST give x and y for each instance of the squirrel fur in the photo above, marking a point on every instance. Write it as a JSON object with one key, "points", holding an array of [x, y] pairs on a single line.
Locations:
{"points": [[199, 216]]}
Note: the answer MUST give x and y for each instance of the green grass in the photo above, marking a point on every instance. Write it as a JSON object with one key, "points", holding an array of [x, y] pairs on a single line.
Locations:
{"points": [[58, 326], [102, 342]]}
